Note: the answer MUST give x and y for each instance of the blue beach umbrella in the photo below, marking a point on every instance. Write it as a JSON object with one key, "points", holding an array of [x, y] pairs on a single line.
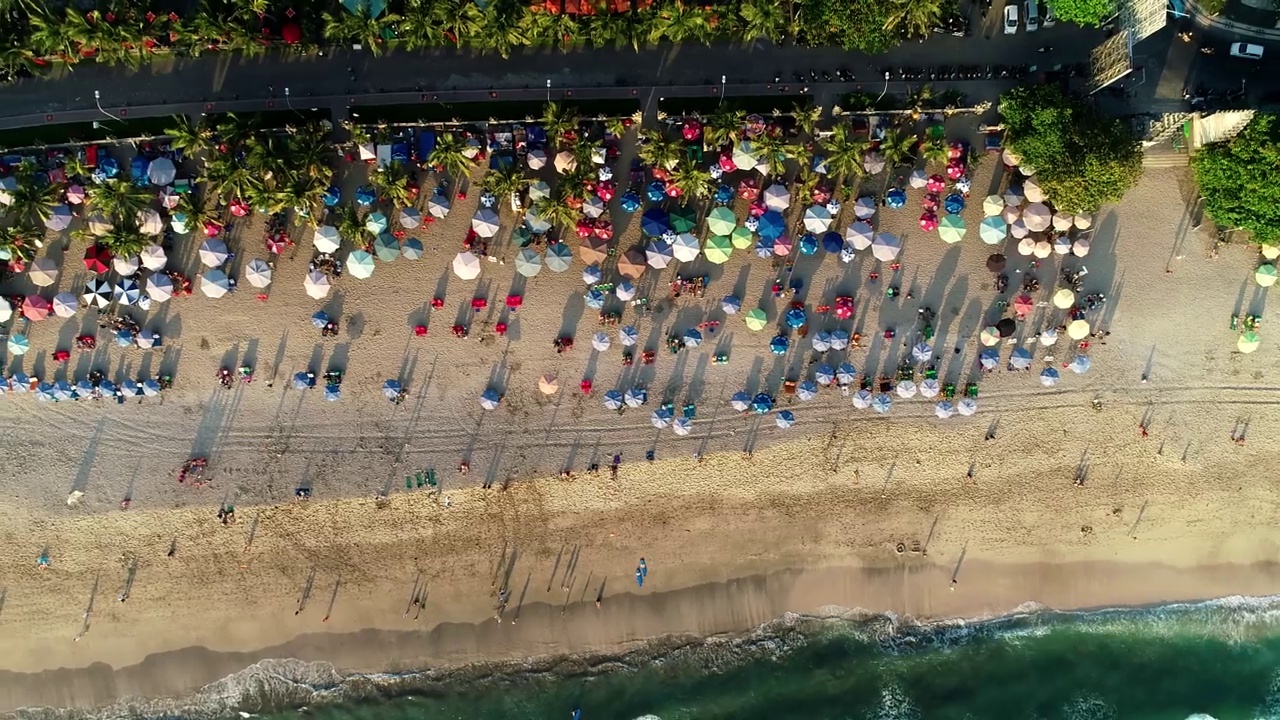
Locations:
{"points": [[629, 202], [682, 426], [386, 247], [953, 204], [772, 225], [778, 345], [654, 222], [658, 254], [807, 390], [660, 418], [761, 403], [655, 191], [882, 403], [591, 274], [635, 397], [107, 388], [692, 338], [489, 399], [796, 317], [303, 380], [1020, 359], [150, 387], [896, 199], [320, 319], [839, 339], [832, 242], [1049, 377], [808, 244], [821, 341], [84, 389], [989, 358], [127, 291], [124, 338], [62, 390], [20, 382], [365, 196], [764, 247], [376, 223], [846, 374], [785, 419], [130, 388], [44, 392], [594, 299], [559, 257], [391, 389], [18, 344], [824, 374], [332, 393], [723, 195], [740, 401], [332, 196], [108, 167], [730, 305], [411, 249], [628, 335], [613, 400], [1080, 365]]}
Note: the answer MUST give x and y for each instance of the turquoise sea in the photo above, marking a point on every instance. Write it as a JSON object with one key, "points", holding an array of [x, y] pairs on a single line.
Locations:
{"points": [[1215, 659]]}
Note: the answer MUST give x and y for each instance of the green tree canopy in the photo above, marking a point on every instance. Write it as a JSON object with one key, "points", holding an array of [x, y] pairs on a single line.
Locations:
{"points": [[1089, 13], [1237, 179], [1082, 159], [864, 25]]}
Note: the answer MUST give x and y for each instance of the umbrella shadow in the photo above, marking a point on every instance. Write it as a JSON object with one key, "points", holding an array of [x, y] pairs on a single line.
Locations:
{"points": [[230, 358], [169, 359], [408, 366], [572, 315], [675, 381], [81, 481], [216, 423], [333, 307], [250, 356], [337, 359], [1257, 304], [751, 383], [698, 379], [740, 284], [942, 276]]}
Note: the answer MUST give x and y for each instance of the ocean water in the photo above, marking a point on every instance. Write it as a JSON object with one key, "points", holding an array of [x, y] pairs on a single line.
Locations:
{"points": [[1213, 660]]}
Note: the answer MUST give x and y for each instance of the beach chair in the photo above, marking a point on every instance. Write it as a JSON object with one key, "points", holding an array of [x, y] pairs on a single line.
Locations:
{"points": [[789, 387], [971, 390], [689, 411], [949, 391]]}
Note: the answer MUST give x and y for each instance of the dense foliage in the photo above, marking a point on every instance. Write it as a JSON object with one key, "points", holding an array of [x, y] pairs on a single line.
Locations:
{"points": [[1089, 13], [1238, 180], [1082, 159], [130, 31]]}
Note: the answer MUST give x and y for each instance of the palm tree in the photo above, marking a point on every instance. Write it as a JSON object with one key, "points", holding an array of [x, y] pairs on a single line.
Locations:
{"points": [[657, 149], [124, 241], [35, 197], [351, 227], [806, 117], [774, 151], [18, 243], [677, 23], [913, 18], [934, 151], [554, 29], [507, 182], [762, 19], [448, 157], [368, 32], [619, 29], [844, 152], [457, 20], [392, 183], [558, 121], [501, 30], [723, 127], [897, 147], [558, 209], [117, 199], [190, 137], [695, 183]]}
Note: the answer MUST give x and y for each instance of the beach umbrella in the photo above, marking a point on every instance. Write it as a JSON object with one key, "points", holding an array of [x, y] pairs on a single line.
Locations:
{"points": [[125, 266], [97, 293], [785, 419], [989, 358], [391, 389], [613, 400], [777, 197], [1020, 359], [35, 307], [685, 248], [59, 218], [632, 264], [717, 249], [992, 206], [1265, 275], [316, 284], [565, 162], [944, 409], [655, 191], [635, 397], [466, 266], [953, 204], [485, 222], [993, 230], [365, 196], [996, 262], [411, 249], [1061, 221], [332, 393], [846, 374], [628, 335], [43, 272], [1049, 377], [860, 235], [127, 292], [929, 388], [795, 317], [1248, 342], [150, 222], [922, 352], [96, 258], [626, 291], [928, 221], [864, 208], [740, 237], [824, 374], [593, 207], [755, 319], [107, 388], [967, 406], [65, 305], [951, 229], [782, 246], [862, 399], [730, 305], [772, 225], [600, 341], [332, 196], [761, 403], [885, 247], [1080, 364], [872, 162], [386, 247], [806, 390], [832, 242], [536, 159], [721, 221], [821, 341], [18, 344], [1042, 249], [489, 399], [1061, 245], [990, 336], [528, 262], [124, 338], [359, 264], [98, 224], [179, 221], [1078, 329], [658, 254], [895, 199], [159, 287], [213, 283], [130, 388], [594, 298], [75, 194], [152, 257], [62, 390], [918, 178], [303, 380], [1037, 217], [1031, 189], [1063, 299], [1012, 215], [682, 426], [839, 339], [817, 219], [1082, 221], [682, 219], [881, 403], [740, 401], [150, 388], [1080, 247], [1026, 246], [778, 345], [559, 257], [629, 201], [409, 218], [906, 389], [213, 252], [161, 171], [539, 190], [593, 250], [376, 223], [319, 319], [654, 222], [147, 339], [1013, 196], [258, 273], [661, 418], [438, 205], [692, 338], [744, 156], [591, 274], [1048, 337]]}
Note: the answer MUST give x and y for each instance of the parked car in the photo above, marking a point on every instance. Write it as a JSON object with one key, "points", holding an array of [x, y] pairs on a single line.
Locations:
{"points": [[1033, 17], [1011, 18], [1049, 18], [1246, 50]]}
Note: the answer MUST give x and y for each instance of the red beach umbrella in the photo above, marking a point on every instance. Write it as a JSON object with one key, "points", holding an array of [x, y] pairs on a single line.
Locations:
{"points": [[604, 229], [935, 184], [929, 203], [239, 208], [843, 307], [726, 162], [584, 228], [692, 130], [291, 33], [749, 189], [96, 259], [955, 170], [1023, 305], [606, 190], [928, 222], [35, 308]]}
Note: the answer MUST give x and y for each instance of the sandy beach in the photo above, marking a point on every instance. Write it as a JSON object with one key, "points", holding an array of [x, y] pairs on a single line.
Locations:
{"points": [[902, 512]]}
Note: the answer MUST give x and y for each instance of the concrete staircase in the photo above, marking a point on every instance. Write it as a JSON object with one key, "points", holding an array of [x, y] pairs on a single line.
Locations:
{"points": [[1164, 127]]}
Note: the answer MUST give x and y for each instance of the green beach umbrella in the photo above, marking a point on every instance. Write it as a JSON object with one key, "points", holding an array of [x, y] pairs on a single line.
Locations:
{"points": [[755, 319], [721, 221], [683, 219], [1266, 275], [717, 249], [1248, 342], [386, 247], [951, 229], [376, 223], [360, 264], [993, 230], [528, 262], [741, 238]]}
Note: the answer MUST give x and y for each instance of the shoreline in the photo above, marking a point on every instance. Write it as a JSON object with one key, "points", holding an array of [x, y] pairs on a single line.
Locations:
{"points": [[628, 622]]}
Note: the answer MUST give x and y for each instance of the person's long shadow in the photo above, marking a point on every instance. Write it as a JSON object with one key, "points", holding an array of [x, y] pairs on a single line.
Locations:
{"points": [[81, 481]]}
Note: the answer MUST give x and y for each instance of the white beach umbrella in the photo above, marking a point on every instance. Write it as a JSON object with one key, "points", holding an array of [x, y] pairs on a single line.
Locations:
{"points": [[360, 264], [593, 207], [1037, 217], [153, 257], [682, 426], [161, 171], [777, 197], [944, 409], [410, 218], [1083, 221], [438, 206], [1010, 214], [860, 235], [993, 205], [1031, 188], [864, 208], [539, 190], [466, 266], [906, 389], [600, 341], [537, 159], [565, 162], [1061, 221], [213, 252], [1019, 229], [1013, 196], [1026, 246], [1061, 245], [257, 273], [886, 247], [817, 219], [1010, 158], [43, 272], [929, 388], [967, 406], [919, 178], [872, 162], [65, 304], [59, 218], [326, 239], [862, 399], [159, 287], [485, 222], [8, 186], [317, 285], [150, 222], [1042, 249], [125, 265], [685, 248], [214, 283], [1080, 248], [528, 262], [1049, 337]]}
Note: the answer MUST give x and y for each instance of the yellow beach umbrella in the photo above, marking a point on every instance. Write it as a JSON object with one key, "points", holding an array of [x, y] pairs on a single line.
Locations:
{"points": [[755, 319], [1271, 252], [1248, 342], [1064, 299], [548, 384], [741, 238], [1266, 275], [1078, 329], [993, 205]]}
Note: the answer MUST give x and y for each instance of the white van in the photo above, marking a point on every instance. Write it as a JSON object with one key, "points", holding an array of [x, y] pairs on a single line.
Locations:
{"points": [[1245, 50], [1011, 18], [1033, 17]]}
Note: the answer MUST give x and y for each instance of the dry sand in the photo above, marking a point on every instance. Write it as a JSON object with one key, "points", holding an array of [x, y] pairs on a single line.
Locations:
{"points": [[811, 520]]}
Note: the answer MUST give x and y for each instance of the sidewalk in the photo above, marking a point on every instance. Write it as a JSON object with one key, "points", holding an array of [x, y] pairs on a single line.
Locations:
{"points": [[1221, 24]]}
